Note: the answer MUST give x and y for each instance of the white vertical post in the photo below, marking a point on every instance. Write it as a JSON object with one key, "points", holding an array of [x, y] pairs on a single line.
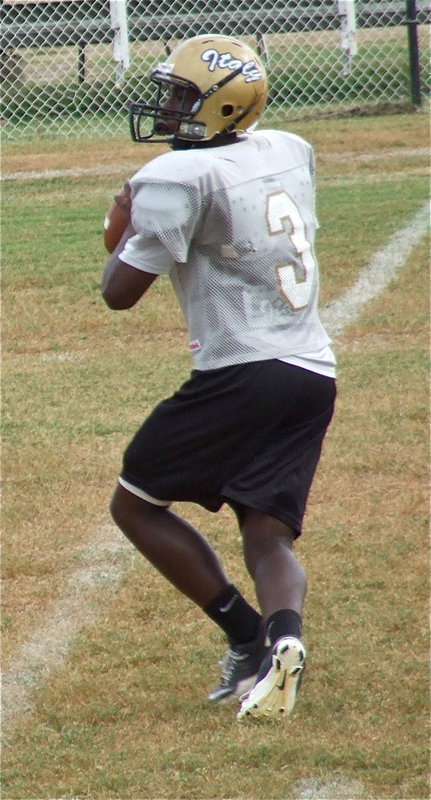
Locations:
{"points": [[346, 10], [118, 13]]}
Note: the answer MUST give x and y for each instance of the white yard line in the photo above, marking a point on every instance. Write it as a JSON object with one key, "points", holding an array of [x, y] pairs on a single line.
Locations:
{"points": [[128, 169], [411, 152], [73, 172], [341, 788], [375, 277], [104, 560], [108, 556]]}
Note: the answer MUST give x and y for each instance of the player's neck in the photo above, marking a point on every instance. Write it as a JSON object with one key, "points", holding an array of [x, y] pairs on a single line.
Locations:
{"points": [[217, 141]]}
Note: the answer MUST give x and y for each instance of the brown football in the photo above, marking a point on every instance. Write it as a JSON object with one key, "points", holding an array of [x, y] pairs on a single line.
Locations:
{"points": [[116, 222], [117, 218]]}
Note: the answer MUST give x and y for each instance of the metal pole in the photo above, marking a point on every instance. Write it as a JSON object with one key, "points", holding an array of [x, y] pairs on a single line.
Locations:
{"points": [[81, 63], [118, 14], [346, 11], [412, 30]]}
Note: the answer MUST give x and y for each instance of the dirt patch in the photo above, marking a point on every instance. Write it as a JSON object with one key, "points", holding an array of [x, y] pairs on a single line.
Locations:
{"points": [[338, 789]]}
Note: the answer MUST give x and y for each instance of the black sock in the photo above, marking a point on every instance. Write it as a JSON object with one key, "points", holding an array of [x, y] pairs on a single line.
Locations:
{"points": [[285, 622], [234, 615]]}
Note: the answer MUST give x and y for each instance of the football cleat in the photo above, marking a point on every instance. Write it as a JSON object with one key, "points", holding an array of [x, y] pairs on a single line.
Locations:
{"points": [[239, 669], [277, 683]]}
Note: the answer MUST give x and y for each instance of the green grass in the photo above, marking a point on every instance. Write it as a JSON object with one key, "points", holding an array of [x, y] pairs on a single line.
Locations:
{"points": [[124, 716]]}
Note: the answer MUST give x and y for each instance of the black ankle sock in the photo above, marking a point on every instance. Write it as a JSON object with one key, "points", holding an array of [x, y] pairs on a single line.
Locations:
{"points": [[234, 615], [285, 622]]}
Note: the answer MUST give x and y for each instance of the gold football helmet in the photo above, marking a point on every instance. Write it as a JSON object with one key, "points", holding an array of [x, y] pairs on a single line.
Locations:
{"points": [[210, 85]]}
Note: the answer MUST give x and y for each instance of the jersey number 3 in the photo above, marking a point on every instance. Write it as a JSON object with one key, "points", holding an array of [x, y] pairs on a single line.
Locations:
{"points": [[294, 280]]}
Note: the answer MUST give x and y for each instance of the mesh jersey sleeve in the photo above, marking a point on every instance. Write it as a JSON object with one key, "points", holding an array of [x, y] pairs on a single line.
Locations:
{"points": [[164, 216], [148, 255]]}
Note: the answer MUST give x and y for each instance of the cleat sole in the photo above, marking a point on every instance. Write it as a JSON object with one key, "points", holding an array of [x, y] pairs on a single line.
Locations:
{"points": [[275, 694]]}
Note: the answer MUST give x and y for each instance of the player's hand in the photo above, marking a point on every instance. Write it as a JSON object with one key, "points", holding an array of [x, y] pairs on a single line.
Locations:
{"points": [[117, 218]]}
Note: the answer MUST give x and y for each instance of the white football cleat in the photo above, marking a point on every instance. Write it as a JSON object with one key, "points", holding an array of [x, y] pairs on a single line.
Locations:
{"points": [[278, 680]]}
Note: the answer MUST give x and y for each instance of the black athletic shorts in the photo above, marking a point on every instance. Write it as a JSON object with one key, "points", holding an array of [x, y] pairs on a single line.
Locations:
{"points": [[247, 434]]}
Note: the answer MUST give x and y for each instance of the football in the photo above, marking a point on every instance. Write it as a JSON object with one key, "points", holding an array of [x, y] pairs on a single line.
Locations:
{"points": [[117, 219]]}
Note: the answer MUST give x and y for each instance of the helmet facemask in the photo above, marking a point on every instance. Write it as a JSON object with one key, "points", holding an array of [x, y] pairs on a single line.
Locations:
{"points": [[177, 100]]}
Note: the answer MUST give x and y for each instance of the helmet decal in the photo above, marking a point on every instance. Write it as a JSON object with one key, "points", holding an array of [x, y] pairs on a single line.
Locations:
{"points": [[250, 69]]}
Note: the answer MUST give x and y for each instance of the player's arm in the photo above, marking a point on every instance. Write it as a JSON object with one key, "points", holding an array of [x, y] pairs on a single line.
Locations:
{"points": [[123, 285]]}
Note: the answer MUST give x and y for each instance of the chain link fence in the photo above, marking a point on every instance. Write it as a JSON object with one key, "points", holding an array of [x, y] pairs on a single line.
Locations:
{"points": [[71, 68]]}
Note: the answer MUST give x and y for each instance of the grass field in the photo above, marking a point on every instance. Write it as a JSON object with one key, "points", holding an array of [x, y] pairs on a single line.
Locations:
{"points": [[106, 667]]}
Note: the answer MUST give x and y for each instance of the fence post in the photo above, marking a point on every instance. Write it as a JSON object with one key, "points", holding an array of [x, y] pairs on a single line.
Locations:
{"points": [[119, 24], [81, 63], [412, 32]]}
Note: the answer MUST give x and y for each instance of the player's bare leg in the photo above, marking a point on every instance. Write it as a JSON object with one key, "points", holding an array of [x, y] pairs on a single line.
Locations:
{"points": [[188, 561], [280, 585], [172, 545], [279, 579]]}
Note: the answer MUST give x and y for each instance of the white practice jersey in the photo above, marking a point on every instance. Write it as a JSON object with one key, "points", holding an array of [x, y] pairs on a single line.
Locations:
{"points": [[234, 227]]}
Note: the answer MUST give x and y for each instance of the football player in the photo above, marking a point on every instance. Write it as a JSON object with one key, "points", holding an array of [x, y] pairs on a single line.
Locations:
{"points": [[229, 214]]}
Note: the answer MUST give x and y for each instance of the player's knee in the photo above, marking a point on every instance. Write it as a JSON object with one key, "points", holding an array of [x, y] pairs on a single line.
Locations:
{"points": [[117, 509], [262, 529], [264, 536], [123, 507], [127, 509]]}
